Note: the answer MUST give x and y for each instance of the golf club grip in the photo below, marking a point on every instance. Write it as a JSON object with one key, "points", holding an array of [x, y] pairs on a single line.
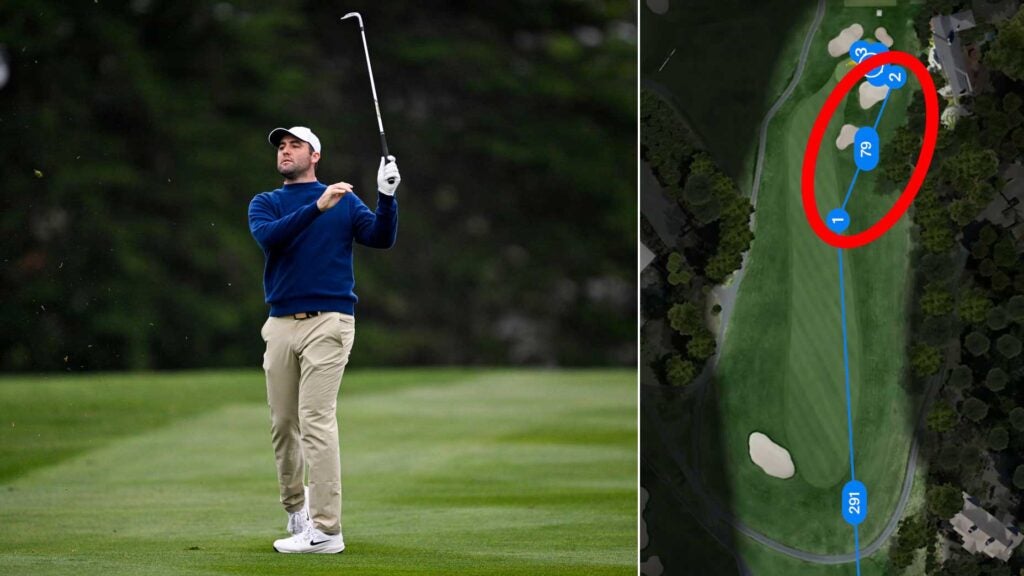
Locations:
{"points": [[384, 146]]}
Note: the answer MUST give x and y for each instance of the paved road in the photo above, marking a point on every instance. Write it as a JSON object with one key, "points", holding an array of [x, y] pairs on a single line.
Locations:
{"points": [[717, 513], [763, 141], [725, 295]]}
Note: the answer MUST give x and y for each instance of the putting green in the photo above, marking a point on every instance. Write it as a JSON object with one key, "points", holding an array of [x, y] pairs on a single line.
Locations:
{"points": [[483, 472]]}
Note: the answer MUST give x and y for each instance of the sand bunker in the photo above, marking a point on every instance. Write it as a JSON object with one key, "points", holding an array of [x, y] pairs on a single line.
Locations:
{"points": [[871, 95], [841, 43], [652, 567], [772, 458], [658, 6], [883, 36], [846, 134]]}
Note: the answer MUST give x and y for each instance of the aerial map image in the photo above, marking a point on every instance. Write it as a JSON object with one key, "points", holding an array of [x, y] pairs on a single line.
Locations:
{"points": [[832, 287]]}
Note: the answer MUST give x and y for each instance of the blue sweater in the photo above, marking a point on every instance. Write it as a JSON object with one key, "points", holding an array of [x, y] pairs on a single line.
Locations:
{"points": [[308, 252]]}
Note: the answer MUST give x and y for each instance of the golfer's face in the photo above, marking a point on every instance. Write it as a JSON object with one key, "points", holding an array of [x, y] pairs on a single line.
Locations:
{"points": [[293, 156]]}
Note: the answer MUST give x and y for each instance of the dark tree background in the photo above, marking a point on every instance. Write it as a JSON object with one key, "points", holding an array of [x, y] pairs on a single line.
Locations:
{"points": [[134, 136]]}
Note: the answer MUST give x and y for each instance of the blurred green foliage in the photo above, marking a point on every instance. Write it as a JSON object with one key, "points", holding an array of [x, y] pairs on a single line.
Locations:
{"points": [[135, 136]]}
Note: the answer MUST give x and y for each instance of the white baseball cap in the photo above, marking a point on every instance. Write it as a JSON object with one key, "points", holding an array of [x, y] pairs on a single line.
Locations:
{"points": [[300, 132]]}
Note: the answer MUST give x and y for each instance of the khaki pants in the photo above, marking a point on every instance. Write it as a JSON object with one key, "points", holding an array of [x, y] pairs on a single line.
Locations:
{"points": [[304, 363]]}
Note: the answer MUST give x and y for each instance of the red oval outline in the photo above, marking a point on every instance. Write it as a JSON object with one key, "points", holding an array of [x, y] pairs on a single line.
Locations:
{"points": [[924, 159]]}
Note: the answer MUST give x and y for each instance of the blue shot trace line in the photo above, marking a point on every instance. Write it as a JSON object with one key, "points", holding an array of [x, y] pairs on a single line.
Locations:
{"points": [[866, 156], [856, 545], [882, 109], [846, 362], [854, 494], [850, 190], [866, 147]]}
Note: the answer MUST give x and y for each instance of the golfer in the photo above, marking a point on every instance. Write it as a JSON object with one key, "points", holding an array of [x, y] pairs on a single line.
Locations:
{"points": [[306, 230]]}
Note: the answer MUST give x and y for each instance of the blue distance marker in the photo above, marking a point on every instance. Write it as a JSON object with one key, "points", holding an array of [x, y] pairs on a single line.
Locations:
{"points": [[862, 49], [837, 220], [865, 148], [855, 502], [877, 76], [895, 77]]}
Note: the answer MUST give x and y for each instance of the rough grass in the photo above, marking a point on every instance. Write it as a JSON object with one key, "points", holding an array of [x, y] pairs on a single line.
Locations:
{"points": [[722, 74]]}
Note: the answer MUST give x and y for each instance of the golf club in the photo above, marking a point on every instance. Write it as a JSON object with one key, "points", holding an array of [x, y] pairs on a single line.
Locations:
{"points": [[373, 87]]}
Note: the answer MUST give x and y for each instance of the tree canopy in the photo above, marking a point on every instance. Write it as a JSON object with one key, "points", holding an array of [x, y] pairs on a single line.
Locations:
{"points": [[139, 133], [1007, 52]]}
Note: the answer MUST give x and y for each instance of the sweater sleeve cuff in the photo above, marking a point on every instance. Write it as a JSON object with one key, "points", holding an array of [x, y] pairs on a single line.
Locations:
{"points": [[314, 210]]}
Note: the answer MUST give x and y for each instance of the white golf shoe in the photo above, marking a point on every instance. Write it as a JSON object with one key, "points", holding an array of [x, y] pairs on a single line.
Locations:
{"points": [[299, 521], [312, 541]]}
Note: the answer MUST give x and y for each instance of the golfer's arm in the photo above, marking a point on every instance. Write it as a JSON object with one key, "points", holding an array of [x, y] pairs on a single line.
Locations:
{"points": [[376, 230], [270, 231]]}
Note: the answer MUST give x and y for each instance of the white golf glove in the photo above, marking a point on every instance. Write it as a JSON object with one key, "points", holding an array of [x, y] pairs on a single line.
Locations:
{"points": [[388, 177]]}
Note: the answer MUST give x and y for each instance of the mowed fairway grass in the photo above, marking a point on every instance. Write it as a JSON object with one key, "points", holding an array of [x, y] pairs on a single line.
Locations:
{"points": [[781, 372], [444, 472]]}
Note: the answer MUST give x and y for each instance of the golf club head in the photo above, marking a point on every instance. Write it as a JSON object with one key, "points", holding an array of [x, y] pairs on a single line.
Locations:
{"points": [[354, 15]]}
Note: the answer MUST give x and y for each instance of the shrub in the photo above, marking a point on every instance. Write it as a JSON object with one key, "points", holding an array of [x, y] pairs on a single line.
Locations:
{"points": [[996, 379], [998, 439], [977, 343], [974, 409], [1008, 345]]}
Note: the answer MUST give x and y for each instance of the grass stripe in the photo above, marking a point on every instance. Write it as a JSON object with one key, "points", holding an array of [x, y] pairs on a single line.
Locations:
{"points": [[482, 472]]}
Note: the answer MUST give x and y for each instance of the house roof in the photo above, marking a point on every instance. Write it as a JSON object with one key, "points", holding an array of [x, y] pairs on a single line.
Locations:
{"points": [[646, 256], [1014, 176], [962, 20], [983, 532], [949, 51], [1007, 207]]}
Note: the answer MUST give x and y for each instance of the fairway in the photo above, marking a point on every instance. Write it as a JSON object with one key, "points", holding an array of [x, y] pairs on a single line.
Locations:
{"points": [[444, 472], [781, 371]]}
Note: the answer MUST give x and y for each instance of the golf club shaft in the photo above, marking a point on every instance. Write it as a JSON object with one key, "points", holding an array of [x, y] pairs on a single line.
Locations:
{"points": [[373, 86]]}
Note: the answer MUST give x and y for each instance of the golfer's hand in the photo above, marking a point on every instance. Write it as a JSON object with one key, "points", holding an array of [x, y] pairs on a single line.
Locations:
{"points": [[332, 195], [388, 177]]}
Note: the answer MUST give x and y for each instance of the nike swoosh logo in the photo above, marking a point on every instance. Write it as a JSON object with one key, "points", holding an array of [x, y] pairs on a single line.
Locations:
{"points": [[311, 543]]}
